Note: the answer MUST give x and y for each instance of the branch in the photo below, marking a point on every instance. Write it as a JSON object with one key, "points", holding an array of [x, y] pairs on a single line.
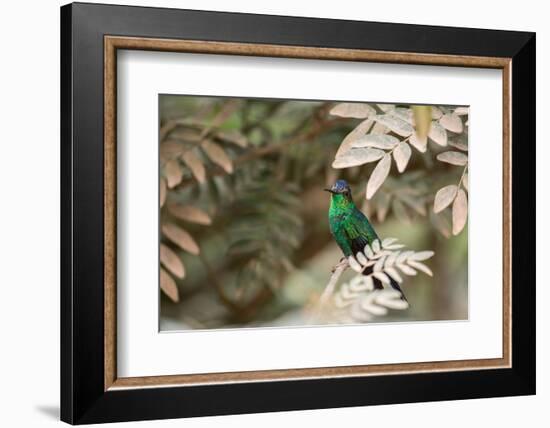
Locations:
{"points": [[317, 129], [337, 271]]}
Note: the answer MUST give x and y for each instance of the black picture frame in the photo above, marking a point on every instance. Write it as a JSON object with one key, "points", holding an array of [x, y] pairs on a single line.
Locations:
{"points": [[83, 396]]}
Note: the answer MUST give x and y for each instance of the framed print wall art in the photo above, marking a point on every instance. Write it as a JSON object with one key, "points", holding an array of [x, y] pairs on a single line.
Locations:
{"points": [[265, 213]]}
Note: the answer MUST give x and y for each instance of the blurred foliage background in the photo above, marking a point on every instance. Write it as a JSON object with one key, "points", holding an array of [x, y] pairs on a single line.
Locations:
{"points": [[244, 230]]}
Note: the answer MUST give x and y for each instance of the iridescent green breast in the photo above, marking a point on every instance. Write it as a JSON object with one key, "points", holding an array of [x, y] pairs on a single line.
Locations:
{"points": [[350, 227]]}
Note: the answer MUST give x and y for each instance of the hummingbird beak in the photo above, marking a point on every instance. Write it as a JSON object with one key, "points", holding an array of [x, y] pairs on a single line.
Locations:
{"points": [[328, 190]]}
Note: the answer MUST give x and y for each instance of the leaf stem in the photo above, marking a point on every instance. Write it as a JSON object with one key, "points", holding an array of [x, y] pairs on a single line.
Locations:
{"points": [[403, 141]]}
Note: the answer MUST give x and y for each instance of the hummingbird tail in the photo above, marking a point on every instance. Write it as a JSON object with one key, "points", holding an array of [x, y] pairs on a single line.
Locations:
{"points": [[379, 286], [395, 286]]}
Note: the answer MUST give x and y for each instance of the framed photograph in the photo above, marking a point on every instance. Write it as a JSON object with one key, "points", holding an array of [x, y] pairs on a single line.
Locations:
{"points": [[265, 213]]}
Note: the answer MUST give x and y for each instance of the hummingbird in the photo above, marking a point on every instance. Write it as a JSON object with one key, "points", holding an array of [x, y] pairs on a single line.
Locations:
{"points": [[351, 228]]}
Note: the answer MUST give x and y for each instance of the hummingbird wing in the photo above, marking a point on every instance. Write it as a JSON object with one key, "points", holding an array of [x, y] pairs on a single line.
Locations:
{"points": [[359, 231], [338, 230], [352, 231]]}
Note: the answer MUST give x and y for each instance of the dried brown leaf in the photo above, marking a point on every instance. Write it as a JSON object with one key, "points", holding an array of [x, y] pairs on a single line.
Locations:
{"points": [[395, 124], [436, 113], [173, 173], [361, 258], [180, 237], [379, 175], [217, 155], [444, 197], [360, 283], [402, 113], [402, 154], [418, 143], [354, 264], [355, 110], [382, 277], [461, 111], [441, 223], [353, 136], [391, 299], [388, 241], [459, 145], [171, 261], [162, 191], [460, 212], [406, 269], [379, 265], [454, 158], [187, 135], [168, 285], [421, 267], [355, 157], [438, 134], [190, 213], [377, 141], [421, 256], [386, 107], [402, 258], [379, 129], [234, 137], [451, 122], [392, 272], [171, 148], [195, 165]]}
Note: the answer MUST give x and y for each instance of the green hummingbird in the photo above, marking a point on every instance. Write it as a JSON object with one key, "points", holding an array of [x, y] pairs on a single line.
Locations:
{"points": [[351, 228]]}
